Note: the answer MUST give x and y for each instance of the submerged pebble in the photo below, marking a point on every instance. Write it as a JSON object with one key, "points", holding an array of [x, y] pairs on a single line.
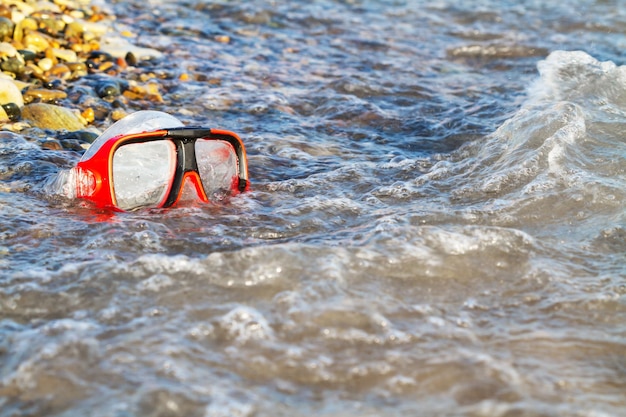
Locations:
{"points": [[51, 144], [108, 88]]}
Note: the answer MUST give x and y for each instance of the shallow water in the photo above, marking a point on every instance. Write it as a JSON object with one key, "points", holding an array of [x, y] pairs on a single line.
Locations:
{"points": [[436, 225]]}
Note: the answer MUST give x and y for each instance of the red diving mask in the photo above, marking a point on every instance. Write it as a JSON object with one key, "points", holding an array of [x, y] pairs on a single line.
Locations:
{"points": [[126, 169]]}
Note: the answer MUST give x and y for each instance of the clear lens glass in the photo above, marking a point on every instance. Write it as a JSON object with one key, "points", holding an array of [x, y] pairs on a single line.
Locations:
{"points": [[218, 167], [143, 173]]}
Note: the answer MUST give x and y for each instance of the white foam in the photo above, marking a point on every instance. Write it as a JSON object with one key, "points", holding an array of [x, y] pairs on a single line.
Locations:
{"points": [[155, 283], [243, 324]]}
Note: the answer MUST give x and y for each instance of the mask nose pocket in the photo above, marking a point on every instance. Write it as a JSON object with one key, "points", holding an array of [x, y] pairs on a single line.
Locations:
{"points": [[191, 189]]}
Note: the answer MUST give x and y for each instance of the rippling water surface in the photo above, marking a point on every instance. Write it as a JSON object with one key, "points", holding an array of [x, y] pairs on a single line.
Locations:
{"points": [[436, 225]]}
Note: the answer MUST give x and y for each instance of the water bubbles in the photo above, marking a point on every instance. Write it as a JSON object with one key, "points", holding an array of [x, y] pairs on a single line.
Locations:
{"points": [[243, 324], [155, 283], [223, 405]]}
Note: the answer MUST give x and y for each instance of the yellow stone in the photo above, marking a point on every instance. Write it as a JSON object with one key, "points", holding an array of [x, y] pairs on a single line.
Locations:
{"points": [[66, 55], [9, 93], [23, 26], [4, 117], [50, 116], [36, 42], [74, 29], [89, 115], [45, 64], [44, 94], [118, 114], [7, 50]]}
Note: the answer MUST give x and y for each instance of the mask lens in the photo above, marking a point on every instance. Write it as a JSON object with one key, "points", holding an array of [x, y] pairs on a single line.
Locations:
{"points": [[218, 167], [143, 173]]}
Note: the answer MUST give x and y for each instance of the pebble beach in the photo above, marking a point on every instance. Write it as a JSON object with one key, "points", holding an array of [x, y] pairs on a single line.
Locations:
{"points": [[65, 68]]}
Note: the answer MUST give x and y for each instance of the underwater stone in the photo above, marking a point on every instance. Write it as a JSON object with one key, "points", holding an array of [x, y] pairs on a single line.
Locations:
{"points": [[83, 136], [51, 144], [108, 88]]}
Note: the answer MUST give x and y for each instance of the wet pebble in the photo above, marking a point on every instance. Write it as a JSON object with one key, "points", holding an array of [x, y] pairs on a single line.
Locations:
{"points": [[6, 28], [82, 136], [108, 88], [60, 71], [54, 84], [97, 59], [27, 54], [149, 91], [36, 41], [7, 50], [14, 65], [43, 94], [72, 145], [131, 59], [74, 30], [4, 117], [118, 114], [9, 93], [52, 26], [22, 28], [45, 64], [12, 111], [33, 71], [94, 108], [78, 69], [51, 144], [66, 55], [49, 116], [89, 115]]}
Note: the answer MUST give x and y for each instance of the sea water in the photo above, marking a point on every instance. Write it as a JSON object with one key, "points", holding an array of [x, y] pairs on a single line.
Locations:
{"points": [[436, 225]]}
